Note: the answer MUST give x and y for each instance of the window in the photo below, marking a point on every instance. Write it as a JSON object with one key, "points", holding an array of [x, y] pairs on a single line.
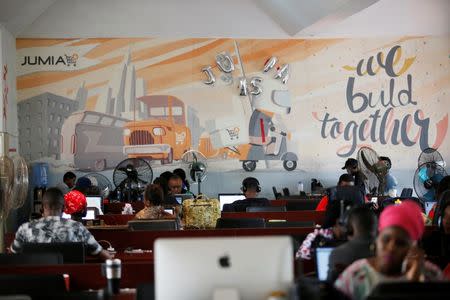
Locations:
{"points": [[106, 121], [88, 118]]}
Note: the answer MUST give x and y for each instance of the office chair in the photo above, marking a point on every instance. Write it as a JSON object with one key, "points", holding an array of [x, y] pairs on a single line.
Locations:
{"points": [[410, 290], [240, 223], [266, 209], [276, 194], [38, 286], [145, 291], [162, 224], [31, 259], [72, 252], [406, 192], [286, 192], [302, 204]]}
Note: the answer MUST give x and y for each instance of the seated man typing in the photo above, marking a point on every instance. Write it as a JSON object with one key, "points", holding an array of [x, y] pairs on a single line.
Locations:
{"points": [[250, 188], [51, 228]]}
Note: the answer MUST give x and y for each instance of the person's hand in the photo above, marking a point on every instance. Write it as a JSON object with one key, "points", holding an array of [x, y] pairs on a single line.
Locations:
{"points": [[413, 264]]}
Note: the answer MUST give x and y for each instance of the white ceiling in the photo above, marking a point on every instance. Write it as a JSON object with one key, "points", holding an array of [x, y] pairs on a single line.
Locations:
{"points": [[224, 18]]}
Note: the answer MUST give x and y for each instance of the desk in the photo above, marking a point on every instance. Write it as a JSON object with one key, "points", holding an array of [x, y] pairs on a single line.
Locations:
{"points": [[89, 276], [121, 239], [304, 215]]}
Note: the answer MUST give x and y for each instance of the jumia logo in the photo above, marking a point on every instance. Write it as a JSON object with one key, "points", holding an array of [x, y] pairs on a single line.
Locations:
{"points": [[68, 60]]}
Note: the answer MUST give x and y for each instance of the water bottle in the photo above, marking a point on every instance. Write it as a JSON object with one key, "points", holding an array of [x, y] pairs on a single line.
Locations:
{"points": [[300, 187], [119, 195]]}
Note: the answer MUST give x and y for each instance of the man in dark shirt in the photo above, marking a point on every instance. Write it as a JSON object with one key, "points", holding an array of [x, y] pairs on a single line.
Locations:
{"points": [[250, 188], [361, 231], [351, 165], [52, 228]]}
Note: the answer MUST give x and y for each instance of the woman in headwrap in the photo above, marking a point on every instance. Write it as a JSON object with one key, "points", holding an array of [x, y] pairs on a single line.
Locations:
{"points": [[397, 255], [75, 204]]}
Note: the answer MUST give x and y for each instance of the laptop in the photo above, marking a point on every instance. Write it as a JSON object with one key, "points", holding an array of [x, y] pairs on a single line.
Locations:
{"points": [[229, 198], [95, 201], [181, 197], [322, 258]]}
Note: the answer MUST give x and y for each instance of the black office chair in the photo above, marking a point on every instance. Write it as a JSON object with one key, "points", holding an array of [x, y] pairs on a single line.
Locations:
{"points": [[286, 192], [31, 259], [302, 204], [163, 224], [389, 201], [145, 291], [266, 209], [406, 192], [240, 223], [38, 286], [276, 194], [410, 290], [72, 252], [285, 224]]}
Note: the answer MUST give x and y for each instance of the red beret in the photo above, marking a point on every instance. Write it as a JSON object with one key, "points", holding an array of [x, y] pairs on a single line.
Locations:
{"points": [[74, 202]]}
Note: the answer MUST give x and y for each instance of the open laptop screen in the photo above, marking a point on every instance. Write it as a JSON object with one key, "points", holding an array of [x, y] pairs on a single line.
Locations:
{"points": [[229, 198], [95, 201], [322, 257]]}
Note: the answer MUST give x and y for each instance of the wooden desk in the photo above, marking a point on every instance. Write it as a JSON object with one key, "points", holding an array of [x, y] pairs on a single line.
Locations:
{"points": [[121, 239], [89, 276], [116, 219], [303, 215]]}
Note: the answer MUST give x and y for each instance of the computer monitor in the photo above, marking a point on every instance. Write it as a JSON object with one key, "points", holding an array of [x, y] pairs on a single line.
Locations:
{"points": [[229, 198], [181, 197], [322, 258], [254, 266], [90, 214], [95, 201]]}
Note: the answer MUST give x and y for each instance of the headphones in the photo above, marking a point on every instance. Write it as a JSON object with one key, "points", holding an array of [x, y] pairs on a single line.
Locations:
{"points": [[250, 182]]}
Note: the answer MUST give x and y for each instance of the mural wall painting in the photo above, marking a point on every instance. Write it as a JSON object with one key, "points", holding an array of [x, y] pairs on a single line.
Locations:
{"points": [[88, 104]]}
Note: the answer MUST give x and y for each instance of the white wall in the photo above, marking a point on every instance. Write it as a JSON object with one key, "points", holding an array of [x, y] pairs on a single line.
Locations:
{"points": [[8, 58], [230, 18]]}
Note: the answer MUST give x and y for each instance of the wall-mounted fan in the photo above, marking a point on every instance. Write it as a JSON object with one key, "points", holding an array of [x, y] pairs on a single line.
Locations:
{"points": [[430, 155], [100, 181], [130, 178], [195, 165], [426, 180], [374, 169]]}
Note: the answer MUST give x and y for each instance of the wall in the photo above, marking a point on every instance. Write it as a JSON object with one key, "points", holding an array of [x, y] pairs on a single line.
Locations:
{"points": [[330, 106]]}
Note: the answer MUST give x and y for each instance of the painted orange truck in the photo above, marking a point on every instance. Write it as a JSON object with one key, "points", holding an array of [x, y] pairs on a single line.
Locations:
{"points": [[163, 136]]}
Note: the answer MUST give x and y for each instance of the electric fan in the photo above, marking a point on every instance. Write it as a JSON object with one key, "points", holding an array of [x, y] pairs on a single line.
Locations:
{"points": [[430, 155], [100, 181], [130, 178], [374, 169], [194, 162], [426, 180], [20, 183]]}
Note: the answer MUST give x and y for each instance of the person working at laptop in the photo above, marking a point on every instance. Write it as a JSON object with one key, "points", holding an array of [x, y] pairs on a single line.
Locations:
{"points": [[361, 232], [351, 165], [51, 228], [250, 188]]}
